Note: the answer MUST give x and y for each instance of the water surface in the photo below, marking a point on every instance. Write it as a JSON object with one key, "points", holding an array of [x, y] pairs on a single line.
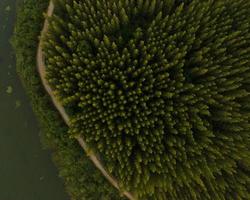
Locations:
{"points": [[26, 169]]}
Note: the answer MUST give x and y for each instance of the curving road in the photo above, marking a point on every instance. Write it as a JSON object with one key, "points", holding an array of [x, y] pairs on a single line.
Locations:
{"points": [[42, 72]]}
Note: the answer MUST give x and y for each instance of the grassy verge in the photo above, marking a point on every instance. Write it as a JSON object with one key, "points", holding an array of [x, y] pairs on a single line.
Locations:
{"points": [[82, 180]]}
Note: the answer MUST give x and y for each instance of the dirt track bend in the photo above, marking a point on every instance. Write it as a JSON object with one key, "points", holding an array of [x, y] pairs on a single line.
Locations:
{"points": [[42, 72]]}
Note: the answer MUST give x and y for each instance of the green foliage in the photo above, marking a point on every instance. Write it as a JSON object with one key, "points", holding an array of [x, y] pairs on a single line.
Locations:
{"points": [[82, 179], [161, 89]]}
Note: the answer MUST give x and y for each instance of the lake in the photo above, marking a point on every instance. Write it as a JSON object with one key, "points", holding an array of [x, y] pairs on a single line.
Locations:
{"points": [[26, 169]]}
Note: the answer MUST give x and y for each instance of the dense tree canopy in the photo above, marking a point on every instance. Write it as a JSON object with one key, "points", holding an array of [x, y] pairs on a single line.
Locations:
{"points": [[160, 89]]}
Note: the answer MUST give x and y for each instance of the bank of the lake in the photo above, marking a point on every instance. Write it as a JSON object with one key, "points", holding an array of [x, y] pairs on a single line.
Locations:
{"points": [[26, 169]]}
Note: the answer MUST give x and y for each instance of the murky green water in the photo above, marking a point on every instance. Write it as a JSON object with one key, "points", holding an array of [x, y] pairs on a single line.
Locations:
{"points": [[26, 170]]}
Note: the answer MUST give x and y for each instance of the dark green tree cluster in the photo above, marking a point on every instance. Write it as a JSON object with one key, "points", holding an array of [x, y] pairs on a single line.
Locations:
{"points": [[82, 180], [160, 89]]}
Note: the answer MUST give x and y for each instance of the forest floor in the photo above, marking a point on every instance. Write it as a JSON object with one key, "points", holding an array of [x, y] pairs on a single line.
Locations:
{"points": [[42, 72]]}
